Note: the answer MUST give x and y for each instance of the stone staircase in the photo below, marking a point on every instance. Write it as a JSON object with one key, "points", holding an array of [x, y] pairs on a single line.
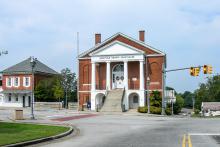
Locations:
{"points": [[113, 101]]}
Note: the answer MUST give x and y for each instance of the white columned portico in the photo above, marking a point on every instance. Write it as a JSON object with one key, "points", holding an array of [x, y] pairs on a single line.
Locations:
{"points": [[142, 93], [108, 75]]}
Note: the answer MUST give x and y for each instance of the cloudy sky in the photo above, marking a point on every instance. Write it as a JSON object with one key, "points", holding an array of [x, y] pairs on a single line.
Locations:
{"points": [[188, 31]]}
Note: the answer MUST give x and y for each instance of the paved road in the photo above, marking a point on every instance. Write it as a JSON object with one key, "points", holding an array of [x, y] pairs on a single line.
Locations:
{"points": [[142, 131], [125, 130]]}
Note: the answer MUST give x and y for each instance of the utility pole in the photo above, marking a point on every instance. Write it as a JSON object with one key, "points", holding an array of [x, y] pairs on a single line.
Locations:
{"points": [[148, 95], [163, 93], [77, 76], [33, 62]]}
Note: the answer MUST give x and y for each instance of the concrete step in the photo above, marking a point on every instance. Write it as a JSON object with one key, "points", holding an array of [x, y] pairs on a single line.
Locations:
{"points": [[113, 101]]}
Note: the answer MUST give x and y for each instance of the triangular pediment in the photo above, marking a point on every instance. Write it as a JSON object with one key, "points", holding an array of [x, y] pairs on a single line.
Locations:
{"points": [[116, 48]]}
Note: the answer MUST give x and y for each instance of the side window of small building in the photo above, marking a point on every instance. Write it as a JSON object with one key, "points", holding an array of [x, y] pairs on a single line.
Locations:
{"points": [[9, 82], [16, 81], [26, 81]]}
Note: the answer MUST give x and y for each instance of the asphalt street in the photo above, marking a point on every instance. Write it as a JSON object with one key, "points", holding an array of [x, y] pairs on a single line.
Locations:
{"points": [[143, 131], [129, 130]]}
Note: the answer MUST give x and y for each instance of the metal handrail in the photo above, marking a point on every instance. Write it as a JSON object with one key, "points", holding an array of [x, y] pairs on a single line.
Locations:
{"points": [[122, 100]]}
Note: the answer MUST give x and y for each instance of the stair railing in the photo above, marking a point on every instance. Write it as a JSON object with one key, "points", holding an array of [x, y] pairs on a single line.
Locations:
{"points": [[106, 92], [122, 101]]}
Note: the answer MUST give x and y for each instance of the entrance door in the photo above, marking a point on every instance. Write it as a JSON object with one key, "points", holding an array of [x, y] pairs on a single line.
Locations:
{"points": [[118, 76], [29, 101], [23, 101]]}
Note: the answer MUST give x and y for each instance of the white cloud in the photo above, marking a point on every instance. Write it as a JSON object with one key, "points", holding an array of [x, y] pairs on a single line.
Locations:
{"points": [[185, 29]]}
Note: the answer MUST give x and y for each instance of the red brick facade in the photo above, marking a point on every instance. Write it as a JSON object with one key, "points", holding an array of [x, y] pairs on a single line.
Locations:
{"points": [[37, 78], [152, 67]]}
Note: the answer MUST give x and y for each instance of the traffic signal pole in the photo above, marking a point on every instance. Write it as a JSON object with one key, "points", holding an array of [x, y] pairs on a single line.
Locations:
{"points": [[164, 83]]}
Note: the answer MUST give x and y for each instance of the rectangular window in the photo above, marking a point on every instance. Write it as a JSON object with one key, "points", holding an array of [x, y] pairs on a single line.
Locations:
{"points": [[9, 82], [16, 81], [26, 81]]}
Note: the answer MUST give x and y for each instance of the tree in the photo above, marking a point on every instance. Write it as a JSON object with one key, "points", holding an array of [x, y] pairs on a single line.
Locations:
{"points": [[208, 92], [44, 90], [58, 89], [68, 82], [188, 99], [177, 107], [156, 99]]}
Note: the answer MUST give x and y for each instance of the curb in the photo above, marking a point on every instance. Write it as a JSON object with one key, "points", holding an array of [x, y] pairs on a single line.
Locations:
{"points": [[36, 141]]}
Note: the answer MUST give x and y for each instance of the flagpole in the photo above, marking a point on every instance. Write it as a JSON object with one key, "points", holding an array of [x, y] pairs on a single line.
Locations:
{"points": [[77, 61]]}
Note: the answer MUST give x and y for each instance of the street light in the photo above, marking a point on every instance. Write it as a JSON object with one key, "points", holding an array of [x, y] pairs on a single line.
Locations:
{"points": [[3, 52], [148, 95], [33, 64]]}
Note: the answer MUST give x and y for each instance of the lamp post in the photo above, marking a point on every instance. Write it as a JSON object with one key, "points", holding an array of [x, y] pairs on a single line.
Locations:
{"points": [[3, 52], [148, 95], [33, 64]]}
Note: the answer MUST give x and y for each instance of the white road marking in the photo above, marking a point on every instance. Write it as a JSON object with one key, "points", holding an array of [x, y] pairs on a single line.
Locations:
{"points": [[204, 134]]}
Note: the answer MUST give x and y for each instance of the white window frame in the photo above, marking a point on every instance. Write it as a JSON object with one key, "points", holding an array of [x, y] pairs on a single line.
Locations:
{"points": [[7, 81], [29, 81], [15, 82]]}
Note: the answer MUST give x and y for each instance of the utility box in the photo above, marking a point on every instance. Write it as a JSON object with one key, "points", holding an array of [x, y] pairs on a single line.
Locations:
{"points": [[18, 114]]}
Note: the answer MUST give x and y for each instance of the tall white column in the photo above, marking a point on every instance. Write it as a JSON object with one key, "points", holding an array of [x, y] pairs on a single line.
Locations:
{"points": [[108, 75], [142, 92], [93, 84], [141, 75], [126, 74]]}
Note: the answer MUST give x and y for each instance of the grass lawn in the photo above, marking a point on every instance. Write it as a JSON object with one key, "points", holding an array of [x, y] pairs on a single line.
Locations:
{"points": [[14, 132]]}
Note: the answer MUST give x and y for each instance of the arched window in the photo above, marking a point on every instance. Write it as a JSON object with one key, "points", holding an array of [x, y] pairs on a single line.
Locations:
{"points": [[155, 71], [86, 74]]}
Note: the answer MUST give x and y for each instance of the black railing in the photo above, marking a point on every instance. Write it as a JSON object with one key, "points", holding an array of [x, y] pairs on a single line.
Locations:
{"points": [[122, 100]]}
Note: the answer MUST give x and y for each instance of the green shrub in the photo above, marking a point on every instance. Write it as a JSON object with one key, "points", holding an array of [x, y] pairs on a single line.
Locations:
{"points": [[196, 111], [168, 111], [142, 109], [155, 110]]}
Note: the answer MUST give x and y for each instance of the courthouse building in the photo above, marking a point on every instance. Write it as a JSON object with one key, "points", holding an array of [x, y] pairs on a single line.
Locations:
{"points": [[113, 75]]}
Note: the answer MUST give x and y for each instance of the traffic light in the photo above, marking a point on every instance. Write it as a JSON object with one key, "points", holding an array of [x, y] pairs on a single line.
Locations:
{"points": [[205, 69], [196, 71], [191, 71], [209, 69]]}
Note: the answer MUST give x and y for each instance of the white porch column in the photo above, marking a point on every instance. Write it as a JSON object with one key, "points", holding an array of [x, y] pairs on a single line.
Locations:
{"points": [[93, 84], [142, 92], [108, 79], [126, 75], [93, 87], [141, 74]]}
